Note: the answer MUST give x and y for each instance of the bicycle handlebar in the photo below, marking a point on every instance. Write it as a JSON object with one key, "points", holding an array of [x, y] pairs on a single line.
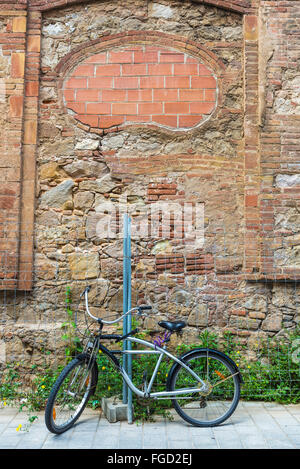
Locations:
{"points": [[139, 308]]}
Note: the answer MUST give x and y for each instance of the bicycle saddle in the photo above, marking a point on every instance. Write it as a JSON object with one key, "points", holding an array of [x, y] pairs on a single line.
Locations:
{"points": [[173, 326]]}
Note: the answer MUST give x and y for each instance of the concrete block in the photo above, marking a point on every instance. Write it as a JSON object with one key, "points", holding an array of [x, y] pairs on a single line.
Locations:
{"points": [[114, 410]]}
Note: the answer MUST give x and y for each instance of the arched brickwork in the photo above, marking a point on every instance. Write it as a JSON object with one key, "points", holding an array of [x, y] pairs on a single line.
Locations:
{"points": [[21, 41], [30, 56], [156, 79], [239, 6]]}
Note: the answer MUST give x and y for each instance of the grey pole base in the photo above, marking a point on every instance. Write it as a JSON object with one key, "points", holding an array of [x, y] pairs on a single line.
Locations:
{"points": [[114, 409]]}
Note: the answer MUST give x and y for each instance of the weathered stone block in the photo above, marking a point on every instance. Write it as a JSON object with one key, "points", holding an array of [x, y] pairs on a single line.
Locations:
{"points": [[272, 323], [57, 196], [84, 265], [199, 316], [83, 168], [83, 200]]}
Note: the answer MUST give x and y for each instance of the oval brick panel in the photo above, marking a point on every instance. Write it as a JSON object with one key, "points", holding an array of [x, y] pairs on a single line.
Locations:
{"points": [[141, 84]]}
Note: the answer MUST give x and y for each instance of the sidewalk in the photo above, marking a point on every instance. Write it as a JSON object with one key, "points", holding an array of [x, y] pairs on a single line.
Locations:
{"points": [[253, 425]]}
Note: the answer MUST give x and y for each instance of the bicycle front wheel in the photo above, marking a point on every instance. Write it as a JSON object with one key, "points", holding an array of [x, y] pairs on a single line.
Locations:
{"points": [[70, 394], [221, 397]]}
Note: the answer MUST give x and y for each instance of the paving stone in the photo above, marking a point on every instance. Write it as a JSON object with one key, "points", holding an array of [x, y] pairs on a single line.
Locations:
{"points": [[90, 424], [284, 418], [253, 426], [205, 442], [172, 444], [253, 442], [281, 444], [292, 429], [295, 439]]}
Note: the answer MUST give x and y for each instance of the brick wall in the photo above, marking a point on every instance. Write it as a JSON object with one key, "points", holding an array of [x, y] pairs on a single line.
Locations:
{"points": [[270, 149], [141, 84], [279, 139], [12, 67]]}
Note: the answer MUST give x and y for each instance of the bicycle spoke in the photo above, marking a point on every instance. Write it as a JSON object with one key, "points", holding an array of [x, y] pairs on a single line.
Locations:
{"points": [[69, 395], [213, 402]]}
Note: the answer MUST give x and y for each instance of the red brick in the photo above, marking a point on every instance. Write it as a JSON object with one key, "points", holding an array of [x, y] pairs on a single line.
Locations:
{"points": [[92, 121], [177, 108], [191, 95], [76, 83], [165, 95], [152, 82], [108, 70], [137, 119], [191, 60], [170, 121], [8, 202], [98, 108], [134, 70], [146, 57], [171, 57], [203, 70], [186, 69], [210, 95], [103, 82], [30, 132], [32, 88], [238, 312], [34, 43], [123, 108], [189, 121], [150, 108], [251, 32], [127, 82], [17, 64], [16, 106], [113, 95], [203, 82], [69, 95], [79, 108], [106, 122], [201, 108], [120, 57], [139, 95], [19, 24], [97, 58], [178, 82], [160, 69], [251, 200], [87, 95], [84, 71]]}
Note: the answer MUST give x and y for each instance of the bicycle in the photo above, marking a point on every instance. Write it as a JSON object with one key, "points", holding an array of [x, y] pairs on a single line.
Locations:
{"points": [[203, 384]]}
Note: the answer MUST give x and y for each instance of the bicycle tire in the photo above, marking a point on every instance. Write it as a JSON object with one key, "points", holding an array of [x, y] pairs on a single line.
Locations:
{"points": [[60, 404], [217, 365]]}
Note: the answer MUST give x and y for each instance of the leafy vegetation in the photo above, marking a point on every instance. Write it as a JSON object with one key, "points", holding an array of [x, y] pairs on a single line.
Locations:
{"points": [[273, 375]]}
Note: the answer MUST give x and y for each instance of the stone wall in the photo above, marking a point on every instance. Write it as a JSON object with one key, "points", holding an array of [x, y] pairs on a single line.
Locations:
{"points": [[138, 104]]}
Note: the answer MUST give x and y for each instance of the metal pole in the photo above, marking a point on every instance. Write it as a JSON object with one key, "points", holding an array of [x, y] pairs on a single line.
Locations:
{"points": [[125, 300], [129, 321]]}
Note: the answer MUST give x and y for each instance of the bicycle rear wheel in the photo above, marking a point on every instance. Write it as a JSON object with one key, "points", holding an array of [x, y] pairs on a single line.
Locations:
{"points": [[70, 394], [210, 408]]}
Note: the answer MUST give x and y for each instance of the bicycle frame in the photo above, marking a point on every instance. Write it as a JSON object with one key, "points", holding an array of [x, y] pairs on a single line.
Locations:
{"points": [[157, 351]]}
